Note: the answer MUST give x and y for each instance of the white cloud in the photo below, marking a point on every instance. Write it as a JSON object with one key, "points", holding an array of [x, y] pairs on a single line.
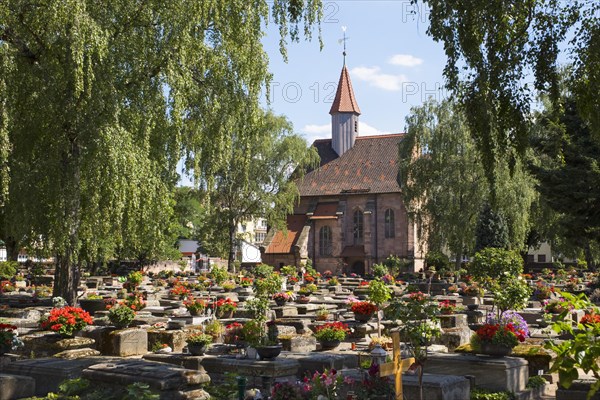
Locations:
{"points": [[313, 132], [375, 77], [317, 129], [365, 129], [405, 60]]}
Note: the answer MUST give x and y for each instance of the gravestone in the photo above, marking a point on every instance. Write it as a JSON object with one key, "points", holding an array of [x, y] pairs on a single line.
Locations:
{"points": [[437, 387], [16, 386], [494, 373], [171, 382]]}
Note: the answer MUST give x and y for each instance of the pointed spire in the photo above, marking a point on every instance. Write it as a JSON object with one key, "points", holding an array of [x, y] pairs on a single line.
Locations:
{"points": [[344, 101]]}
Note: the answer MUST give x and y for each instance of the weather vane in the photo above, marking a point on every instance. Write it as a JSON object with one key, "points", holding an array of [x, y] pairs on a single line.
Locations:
{"points": [[343, 40]]}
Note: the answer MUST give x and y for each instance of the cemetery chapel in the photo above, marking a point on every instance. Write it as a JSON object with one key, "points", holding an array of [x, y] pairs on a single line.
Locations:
{"points": [[350, 215]]}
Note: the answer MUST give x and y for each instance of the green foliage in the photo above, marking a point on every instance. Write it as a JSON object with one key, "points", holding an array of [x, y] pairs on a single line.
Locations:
{"points": [[491, 266], [438, 260], [379, 293], [581, 352], [257, 307], [88, 164], [491, 230], [482, 394], [419, 316], [199, 339], [289, 270], [536, 381], [512, 294], [263, 270], [379, 270], [80, 389], [226, 390], [266, 287], [8, 269], [397, 265], [218, 275], [121, 315], [442, 191]]}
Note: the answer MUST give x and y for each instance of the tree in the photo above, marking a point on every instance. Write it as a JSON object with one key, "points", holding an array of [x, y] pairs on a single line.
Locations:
{"points": [[491, 230], [441, 177], [255, 182], [493, 46], [97, 101], [444, 187], [569, 176]]}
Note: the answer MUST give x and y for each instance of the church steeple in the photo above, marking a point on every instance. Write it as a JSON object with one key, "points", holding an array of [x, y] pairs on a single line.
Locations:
{"points": [[344, 115]]}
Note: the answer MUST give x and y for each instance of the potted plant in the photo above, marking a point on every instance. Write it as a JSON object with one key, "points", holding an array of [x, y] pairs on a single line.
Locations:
{"points": [[198, 343], [281, 298], [92, 302], [179, 292], [121, 316], [447, 307], [234, 333], [194, 306], [363, 310], [214, 328], [223, 308], [322, 313], [66, 321], [269, 346], [331, 334], [228, 285], [135, 301], [9, 338], [333, 281], [497, 339]]}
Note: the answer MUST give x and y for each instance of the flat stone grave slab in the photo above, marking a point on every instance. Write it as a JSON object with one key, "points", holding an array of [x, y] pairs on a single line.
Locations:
{"points": [[184, 360], [16, 386], [311, 362], [171, 382], [577, 391], [48, 373], [494, 373], [260, 374], [436, 387]]}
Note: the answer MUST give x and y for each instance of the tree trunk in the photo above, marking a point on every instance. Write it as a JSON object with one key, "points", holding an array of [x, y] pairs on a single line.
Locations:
{"points": [[65, 284], [589, 257], [231, 260], [12, 249]]}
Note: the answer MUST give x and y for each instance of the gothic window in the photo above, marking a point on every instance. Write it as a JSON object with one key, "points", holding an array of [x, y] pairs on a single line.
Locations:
{"points": [[390, 227], [358, 225], [325, 241]]}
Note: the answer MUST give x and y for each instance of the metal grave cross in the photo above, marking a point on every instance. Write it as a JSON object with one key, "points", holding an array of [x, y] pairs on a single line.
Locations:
{"points": [[397, 366]]}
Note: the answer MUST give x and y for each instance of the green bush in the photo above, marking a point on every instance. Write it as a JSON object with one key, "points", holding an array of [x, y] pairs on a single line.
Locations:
{"points": [[480, 394], [8, 269], [437, 260], [379, 270], [263, 270], [495, 265], [536, 381]]}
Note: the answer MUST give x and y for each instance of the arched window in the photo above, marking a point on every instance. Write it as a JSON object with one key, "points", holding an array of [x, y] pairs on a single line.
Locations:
{"points": [[358, 225], [390, 227], [325, 241]]}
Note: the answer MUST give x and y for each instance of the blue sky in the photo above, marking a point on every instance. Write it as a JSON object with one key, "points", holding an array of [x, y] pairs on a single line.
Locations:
{"points": [[393, 66]]}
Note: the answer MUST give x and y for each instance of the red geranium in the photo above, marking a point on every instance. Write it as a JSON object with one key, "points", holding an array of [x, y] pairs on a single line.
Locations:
{"points": [[590, 319], [363, 307], [67, 320]]}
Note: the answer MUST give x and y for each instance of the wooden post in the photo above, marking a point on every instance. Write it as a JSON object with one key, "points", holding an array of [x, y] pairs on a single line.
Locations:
{"points": [[397, 366]]}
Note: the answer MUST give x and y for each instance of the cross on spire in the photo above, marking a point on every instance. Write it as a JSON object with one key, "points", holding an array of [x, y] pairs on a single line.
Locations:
{"points": [[343, 40]]}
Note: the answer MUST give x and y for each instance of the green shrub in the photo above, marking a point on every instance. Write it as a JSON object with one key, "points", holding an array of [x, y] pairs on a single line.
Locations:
{"points": [[480, 394], [8, 269], [536, 381]]}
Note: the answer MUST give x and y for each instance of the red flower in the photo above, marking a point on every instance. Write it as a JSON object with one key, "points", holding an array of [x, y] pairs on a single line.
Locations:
{"points": [[363, 307]]}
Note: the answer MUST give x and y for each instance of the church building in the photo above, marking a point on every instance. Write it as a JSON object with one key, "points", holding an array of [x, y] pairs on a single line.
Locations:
{"points": [[350, 215]]}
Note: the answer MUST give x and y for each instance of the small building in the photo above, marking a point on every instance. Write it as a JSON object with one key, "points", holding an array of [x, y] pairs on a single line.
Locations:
{"points": [[351, 213]]}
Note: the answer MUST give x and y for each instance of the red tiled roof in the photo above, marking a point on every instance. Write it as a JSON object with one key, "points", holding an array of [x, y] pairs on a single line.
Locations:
{"points": [[325, 211], [282, 243], [370, 166], [344, 97]]}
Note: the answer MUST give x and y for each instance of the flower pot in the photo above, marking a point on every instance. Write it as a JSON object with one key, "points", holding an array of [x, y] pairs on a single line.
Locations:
{"points": [[268, 352], [303, 300], [363, 317], [495, 350], [329, 344], [195, 313], [197, 349], [4, 348], [92, 305], [280, 302]]}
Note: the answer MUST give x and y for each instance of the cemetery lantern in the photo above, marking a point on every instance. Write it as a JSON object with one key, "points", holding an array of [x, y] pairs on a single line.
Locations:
{"points": [[378, 355]]}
